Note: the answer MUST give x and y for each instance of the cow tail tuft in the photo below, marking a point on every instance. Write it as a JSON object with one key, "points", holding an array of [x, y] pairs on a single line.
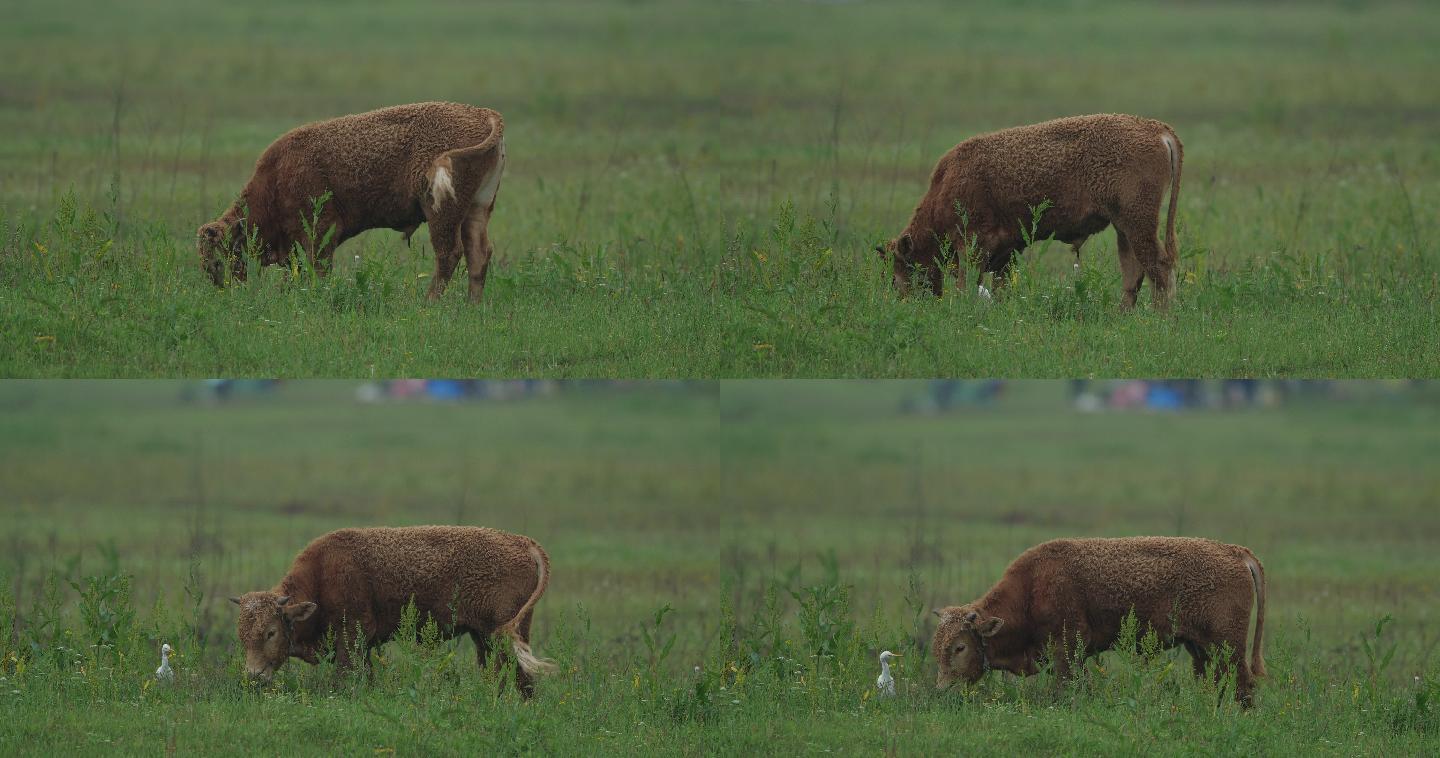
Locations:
{"points": [[527, 660]]}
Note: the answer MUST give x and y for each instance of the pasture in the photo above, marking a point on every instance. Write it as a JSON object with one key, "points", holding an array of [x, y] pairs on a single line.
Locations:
{"points": [[695, 188], [793, 529]]}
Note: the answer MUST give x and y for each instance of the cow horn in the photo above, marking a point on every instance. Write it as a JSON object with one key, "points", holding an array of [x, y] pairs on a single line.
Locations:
{"points": [[235, 600], [283, 599]]}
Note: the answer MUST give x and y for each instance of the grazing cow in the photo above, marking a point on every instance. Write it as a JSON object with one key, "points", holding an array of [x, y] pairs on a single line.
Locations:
{"points": [[468, 579], [394, 168], [1194, 592], [1095, 171]]}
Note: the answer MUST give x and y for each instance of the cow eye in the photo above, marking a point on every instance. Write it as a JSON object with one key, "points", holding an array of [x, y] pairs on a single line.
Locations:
{"points": [[959, 648], [270, 634]]}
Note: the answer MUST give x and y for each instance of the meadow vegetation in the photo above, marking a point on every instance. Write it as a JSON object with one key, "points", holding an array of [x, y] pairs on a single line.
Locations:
{"points": [[695, 189], [728, 560]]}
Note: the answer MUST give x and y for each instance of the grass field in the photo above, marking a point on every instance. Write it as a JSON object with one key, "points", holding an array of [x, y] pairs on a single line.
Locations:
{"points": [[694, 188], [718, 501]]}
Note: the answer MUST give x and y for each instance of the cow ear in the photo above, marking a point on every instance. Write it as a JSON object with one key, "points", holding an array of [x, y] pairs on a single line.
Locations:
{"points": [[300, 611], [990, 626], [235, 600], [938, 613], [905, 245]]}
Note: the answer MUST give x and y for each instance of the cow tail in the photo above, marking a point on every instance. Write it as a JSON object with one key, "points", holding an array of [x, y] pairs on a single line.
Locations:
{"points": [[523, 655], [491, 150], [1177, 160], [1257, 575]]}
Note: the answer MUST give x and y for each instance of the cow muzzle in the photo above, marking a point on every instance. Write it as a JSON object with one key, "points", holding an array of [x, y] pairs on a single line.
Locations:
{"points": [[902, 284], [215, 270]]}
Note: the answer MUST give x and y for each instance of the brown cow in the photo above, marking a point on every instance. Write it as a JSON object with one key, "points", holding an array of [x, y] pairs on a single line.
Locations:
{"points": [[1194, 592], [468, 579], [1095, 171], [393, 168]]}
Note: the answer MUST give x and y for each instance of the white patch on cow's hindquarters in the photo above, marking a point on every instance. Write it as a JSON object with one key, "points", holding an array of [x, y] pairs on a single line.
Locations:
{"points": [[488, 189], [441, 187]]}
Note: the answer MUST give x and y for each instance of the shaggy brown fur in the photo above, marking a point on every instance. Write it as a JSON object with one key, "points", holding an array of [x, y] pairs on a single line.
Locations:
{"points": [[1096, 170], [1194, 592], [468, 579], [395, 168]]}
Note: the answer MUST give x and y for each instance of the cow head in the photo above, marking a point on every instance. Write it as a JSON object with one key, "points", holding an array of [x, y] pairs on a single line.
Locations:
{"points": [[959, 643], [221, 243], [904, 255], [266, 629]]}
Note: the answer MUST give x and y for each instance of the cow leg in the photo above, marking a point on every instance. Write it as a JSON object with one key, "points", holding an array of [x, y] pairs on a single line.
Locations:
{"points": [[447, 225], [955, 262], [1060, 665], [480, 204], [466, 242], [343, 658], [957, 270], [321, 256], [1069, 650], [478, 250], [1000, 265], [369, 664], [996, 253], [927, 271], [935, 276], [1131, 271], [523, 681], [1198, 658], [482, 647], [1244, 680], [347, 647], [1244, 683], [1235, 637], [445, 233], [325, 260], [1141, 233]]}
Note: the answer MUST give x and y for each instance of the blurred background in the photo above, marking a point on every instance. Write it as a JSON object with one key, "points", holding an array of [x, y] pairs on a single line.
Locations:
{"points": [[703, 493]]}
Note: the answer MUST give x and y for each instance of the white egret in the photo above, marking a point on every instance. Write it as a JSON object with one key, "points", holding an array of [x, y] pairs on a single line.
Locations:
{"points": [[165, 673], [984, 292], [886, 683]]}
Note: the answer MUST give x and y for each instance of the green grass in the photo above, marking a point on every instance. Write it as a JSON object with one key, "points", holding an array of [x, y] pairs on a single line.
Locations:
{"points": [[694, 188], [719, 501]]}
